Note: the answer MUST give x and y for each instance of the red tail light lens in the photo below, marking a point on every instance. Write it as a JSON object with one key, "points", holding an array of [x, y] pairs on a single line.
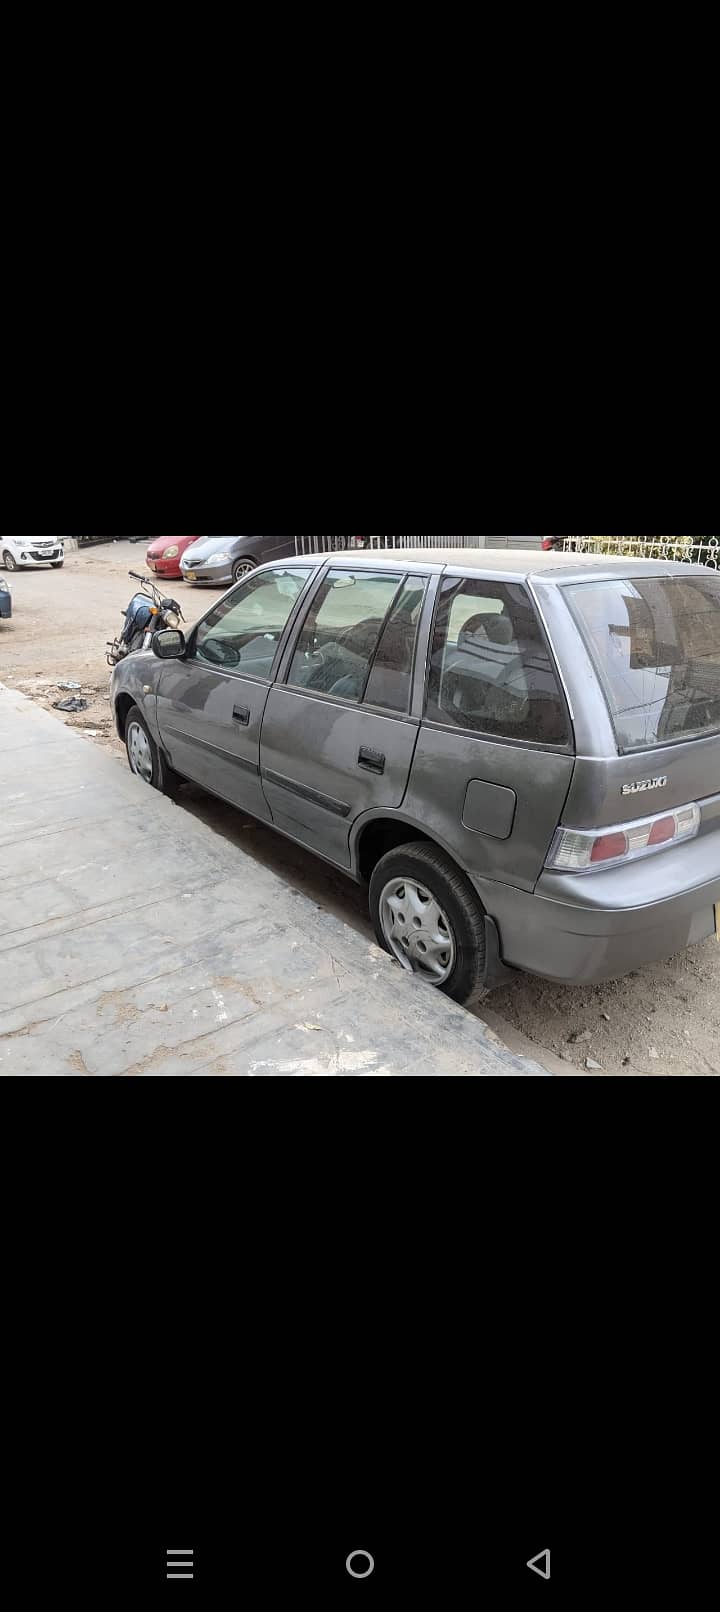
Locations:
{"points": [[608, 847], [580, 850], [662, 831]]}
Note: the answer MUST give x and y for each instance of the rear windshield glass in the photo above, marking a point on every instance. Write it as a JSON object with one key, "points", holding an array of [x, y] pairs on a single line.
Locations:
{"points": [[656, 645]]}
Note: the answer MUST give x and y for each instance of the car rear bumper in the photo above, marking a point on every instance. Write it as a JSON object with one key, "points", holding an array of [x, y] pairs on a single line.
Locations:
{"points": [[599, 927]]}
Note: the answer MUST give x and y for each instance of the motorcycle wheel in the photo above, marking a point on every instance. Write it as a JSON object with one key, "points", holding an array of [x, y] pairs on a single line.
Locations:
{"points": [[146, 761]]}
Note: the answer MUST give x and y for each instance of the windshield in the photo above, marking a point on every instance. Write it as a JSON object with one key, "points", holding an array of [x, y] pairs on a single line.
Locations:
{"points": [[656, 645]]}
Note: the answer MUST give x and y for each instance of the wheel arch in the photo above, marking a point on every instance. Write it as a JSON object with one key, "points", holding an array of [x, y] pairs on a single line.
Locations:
{"points": [[123, 705], [382, 831]]}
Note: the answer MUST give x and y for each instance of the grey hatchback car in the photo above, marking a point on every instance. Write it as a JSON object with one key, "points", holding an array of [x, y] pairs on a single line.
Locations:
{"points": [[227, 559], [518, 754]]}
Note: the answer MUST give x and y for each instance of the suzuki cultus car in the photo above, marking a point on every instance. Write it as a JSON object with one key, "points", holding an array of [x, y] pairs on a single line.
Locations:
{"points": [[518, 754]]}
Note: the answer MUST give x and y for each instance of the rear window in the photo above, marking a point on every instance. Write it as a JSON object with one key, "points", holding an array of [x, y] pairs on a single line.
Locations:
{"points": [[656, 645]]}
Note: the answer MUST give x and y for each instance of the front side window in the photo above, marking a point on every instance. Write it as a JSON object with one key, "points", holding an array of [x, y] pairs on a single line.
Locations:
{"points": [[655, 642], [338, 641], [242, 633], [490, 670], [389, 683]]}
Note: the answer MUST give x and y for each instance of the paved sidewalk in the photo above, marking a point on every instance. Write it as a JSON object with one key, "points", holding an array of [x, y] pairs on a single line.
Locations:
{"points": [[136, 941]]}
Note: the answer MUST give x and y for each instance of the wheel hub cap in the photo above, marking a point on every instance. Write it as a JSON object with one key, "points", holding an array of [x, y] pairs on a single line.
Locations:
{"points": [[417, 930], [140, 753]]}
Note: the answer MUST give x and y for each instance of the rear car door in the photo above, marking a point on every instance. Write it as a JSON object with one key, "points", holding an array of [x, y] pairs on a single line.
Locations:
{"points": [[337, 737], [495, 755], [210, 704]]}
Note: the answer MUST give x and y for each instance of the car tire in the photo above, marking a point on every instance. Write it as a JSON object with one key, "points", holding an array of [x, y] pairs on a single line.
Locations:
{"points": [[418, 867], [243, 568], [9, 561], [146, 761], [57, 564]]}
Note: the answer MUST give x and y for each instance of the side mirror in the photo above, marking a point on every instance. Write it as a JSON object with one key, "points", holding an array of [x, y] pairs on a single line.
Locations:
{"points": [[220, 652], [168, 644]]}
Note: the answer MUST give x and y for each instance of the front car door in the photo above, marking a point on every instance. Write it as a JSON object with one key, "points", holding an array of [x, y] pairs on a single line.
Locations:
{"points": [[210, 704], [337, 736]]}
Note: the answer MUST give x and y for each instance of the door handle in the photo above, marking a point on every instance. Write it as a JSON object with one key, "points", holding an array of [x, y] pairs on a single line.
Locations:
{"points": [[241, 714], [373, 760]]}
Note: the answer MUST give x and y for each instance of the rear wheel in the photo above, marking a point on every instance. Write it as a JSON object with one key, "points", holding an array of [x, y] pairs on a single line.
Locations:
{"points": [[242, 568], [146, 761], [427, 916], [8, 561]]}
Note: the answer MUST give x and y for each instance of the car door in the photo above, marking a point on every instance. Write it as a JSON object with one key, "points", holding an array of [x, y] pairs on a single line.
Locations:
{"points": [[495, 756], [337, 738], [210, 704]]}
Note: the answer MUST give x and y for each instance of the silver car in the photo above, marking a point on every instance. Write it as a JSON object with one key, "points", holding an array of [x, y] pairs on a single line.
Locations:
{"points": [[518, 754]]}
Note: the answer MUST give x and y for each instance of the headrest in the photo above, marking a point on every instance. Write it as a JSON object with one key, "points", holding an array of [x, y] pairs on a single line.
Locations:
{"points": [[498, 628]]}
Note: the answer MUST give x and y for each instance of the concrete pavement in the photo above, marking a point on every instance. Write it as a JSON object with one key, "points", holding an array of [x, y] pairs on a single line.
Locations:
{"points": [[136, 941]]}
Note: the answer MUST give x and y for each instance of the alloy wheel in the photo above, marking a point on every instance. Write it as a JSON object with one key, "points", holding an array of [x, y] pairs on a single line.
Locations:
{"points": [[242, 568], [417, 930], [9, 562]]}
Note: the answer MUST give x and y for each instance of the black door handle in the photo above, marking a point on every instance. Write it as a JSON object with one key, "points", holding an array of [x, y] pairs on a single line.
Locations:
{"points": [[241, 714], [373, 760]]}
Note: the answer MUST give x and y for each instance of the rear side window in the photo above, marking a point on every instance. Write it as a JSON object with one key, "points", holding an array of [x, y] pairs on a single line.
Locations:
{"points": [[490, 670], [656, 645]]}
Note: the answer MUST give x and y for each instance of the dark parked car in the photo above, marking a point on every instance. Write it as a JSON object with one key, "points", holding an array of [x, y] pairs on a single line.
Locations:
{"points": [[519, 753], [5, 602], [226, 559]]}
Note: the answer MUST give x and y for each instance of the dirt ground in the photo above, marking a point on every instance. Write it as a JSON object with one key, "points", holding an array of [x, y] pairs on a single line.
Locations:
{"points": [[661, 1020]]}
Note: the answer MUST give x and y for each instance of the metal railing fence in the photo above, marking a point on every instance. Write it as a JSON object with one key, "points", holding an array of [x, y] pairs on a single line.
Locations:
{"points": [[695, 550], [699, 550], [330, 545]]}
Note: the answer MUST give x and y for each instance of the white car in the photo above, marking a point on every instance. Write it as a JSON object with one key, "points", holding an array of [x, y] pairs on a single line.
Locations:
{"points": [[31, 551]]}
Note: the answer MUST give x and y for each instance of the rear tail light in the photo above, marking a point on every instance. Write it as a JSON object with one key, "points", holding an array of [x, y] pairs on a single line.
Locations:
{"points": [[580, 850], [547, 543]]}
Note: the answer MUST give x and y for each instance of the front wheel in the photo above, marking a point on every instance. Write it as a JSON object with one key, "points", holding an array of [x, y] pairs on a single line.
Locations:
{"points": [[56, 564], [427, 916], [9, 561], [242, 568], [144, 757]]}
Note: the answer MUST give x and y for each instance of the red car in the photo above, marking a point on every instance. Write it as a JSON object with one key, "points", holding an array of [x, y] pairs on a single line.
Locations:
{"points": [[163, 555]]}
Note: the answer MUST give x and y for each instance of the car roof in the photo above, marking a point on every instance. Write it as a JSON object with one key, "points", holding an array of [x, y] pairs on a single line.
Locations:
{"points": [[552, 566]]}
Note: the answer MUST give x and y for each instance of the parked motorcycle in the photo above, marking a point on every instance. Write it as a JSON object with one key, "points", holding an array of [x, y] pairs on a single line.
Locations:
{"points": [[147, 612]]}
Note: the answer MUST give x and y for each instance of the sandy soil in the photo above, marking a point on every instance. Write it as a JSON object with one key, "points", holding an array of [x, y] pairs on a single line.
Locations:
{"points": [[662, 1020], [62, 621]]}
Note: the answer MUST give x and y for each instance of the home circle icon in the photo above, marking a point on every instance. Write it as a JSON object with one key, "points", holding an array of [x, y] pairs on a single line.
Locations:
{"points": [[360, 1564]]}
